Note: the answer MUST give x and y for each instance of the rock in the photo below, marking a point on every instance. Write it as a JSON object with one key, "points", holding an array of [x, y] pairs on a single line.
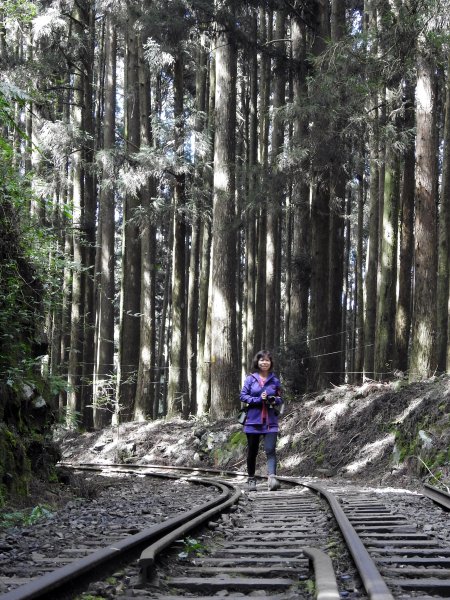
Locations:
{"points": [[27, 391], [99, 446], [199, 432], [39, 402]]}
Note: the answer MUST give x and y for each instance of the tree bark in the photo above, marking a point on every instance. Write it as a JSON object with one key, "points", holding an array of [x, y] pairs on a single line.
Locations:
{"points": [[196, 231], [372, 244], [273, 247], [301, 262], [423, 338], [318, 378], [443, 300], [103, 383], [385, 324], [251, 242], [265, 24], [403, 315], [89, 218], [130, 297], [224, 352], [145, 388], [204, 333], [337, 208], [359, 330], [76, 322], [177, 400]]}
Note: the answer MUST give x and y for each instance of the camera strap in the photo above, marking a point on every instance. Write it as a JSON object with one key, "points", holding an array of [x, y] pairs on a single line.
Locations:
{"points": [[264, 411]]}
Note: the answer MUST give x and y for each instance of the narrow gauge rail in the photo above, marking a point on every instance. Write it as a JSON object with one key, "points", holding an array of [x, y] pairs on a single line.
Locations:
{"points": [[437, 495], [268, 545], [411, 561]]}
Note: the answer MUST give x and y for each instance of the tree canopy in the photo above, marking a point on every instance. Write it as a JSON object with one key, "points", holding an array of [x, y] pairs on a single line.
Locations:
{"points": [[184, 183]]}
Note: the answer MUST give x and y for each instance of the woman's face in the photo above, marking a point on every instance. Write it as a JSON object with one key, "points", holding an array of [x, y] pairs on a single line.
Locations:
{"points": [[264, 364]]}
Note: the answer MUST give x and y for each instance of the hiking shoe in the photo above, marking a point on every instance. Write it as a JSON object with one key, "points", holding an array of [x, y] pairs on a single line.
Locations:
{"points": [[251, 483], [273, 482]]}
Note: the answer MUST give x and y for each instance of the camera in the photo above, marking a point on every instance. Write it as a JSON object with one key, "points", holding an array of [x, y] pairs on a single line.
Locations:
{"points": [[271, 401]]}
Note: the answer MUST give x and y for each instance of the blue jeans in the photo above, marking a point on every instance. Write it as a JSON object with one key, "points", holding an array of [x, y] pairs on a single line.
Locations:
{"points": [[270, 442]]}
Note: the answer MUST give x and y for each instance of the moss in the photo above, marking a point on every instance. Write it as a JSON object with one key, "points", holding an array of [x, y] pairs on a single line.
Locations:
{"points": [[320, 455], [440, 458], [238, 438], [231, 450], [15, 468]]}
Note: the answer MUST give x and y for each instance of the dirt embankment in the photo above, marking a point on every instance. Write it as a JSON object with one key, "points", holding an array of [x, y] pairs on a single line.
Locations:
{"points": [[374, 433]]}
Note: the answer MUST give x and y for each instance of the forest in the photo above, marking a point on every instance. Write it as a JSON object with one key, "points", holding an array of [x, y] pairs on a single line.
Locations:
{"points": [[185, 182]]}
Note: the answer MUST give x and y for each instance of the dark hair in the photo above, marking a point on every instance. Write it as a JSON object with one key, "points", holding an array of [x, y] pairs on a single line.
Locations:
{"points": [[259, 355]]}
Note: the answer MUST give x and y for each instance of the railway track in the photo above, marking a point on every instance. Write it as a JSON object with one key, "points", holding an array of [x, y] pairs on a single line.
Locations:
{"points": [[285, 544]]}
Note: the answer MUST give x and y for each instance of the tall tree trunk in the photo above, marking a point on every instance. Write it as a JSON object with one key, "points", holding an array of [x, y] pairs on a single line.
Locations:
{"points": [[443, 300], [177, 388], [403, 316], [66, 317], [103, 387], [144, 403], [194, 261], [76, 323], [130, 298], [337, 208], [423, 339], [385, 324], [260, 303], [251, 247], [89, 218], [346, 289], [204, 333], [224, 352], [320, 223], [273, 247], [160, 404], [301, 263], [372, 244], [3, 46], [359, 330]]}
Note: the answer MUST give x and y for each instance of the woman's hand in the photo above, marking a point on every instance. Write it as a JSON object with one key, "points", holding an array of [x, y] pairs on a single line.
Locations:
{"points": [[264, 395]]}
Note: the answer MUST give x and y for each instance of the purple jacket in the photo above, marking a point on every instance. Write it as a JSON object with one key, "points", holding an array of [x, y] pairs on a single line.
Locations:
{"points": [[261, 419]]}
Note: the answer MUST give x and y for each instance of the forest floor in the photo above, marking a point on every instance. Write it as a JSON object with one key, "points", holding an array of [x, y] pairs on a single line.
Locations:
{"points": [[377, 434]]}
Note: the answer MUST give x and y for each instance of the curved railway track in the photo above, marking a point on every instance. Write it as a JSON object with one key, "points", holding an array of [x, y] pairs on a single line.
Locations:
{"points": [[286, 544], [437, 495]]}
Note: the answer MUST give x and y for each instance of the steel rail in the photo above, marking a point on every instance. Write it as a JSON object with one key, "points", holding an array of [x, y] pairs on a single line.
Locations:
{"points": [[147, 558], [439, 496], [143, 466], [48, 586], [374, 584], [373, 581], [325, 580]]}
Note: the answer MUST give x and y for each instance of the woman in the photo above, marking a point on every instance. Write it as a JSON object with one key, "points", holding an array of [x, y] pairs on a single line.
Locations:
{"points": [[261, 392]]}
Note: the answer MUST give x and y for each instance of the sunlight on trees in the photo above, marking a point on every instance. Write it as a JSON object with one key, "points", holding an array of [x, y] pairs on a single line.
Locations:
{"points": [[192, 182]]}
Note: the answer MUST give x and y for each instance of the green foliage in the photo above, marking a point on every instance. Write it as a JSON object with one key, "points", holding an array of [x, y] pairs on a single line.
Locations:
{"points": [[20, 289], [309, 586], [233, 448], [238, 438], [25, 517], [25, 247], [14, 464], [70, 418], [19, 10], [192, 547], [53, 477], [320, 453]]}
